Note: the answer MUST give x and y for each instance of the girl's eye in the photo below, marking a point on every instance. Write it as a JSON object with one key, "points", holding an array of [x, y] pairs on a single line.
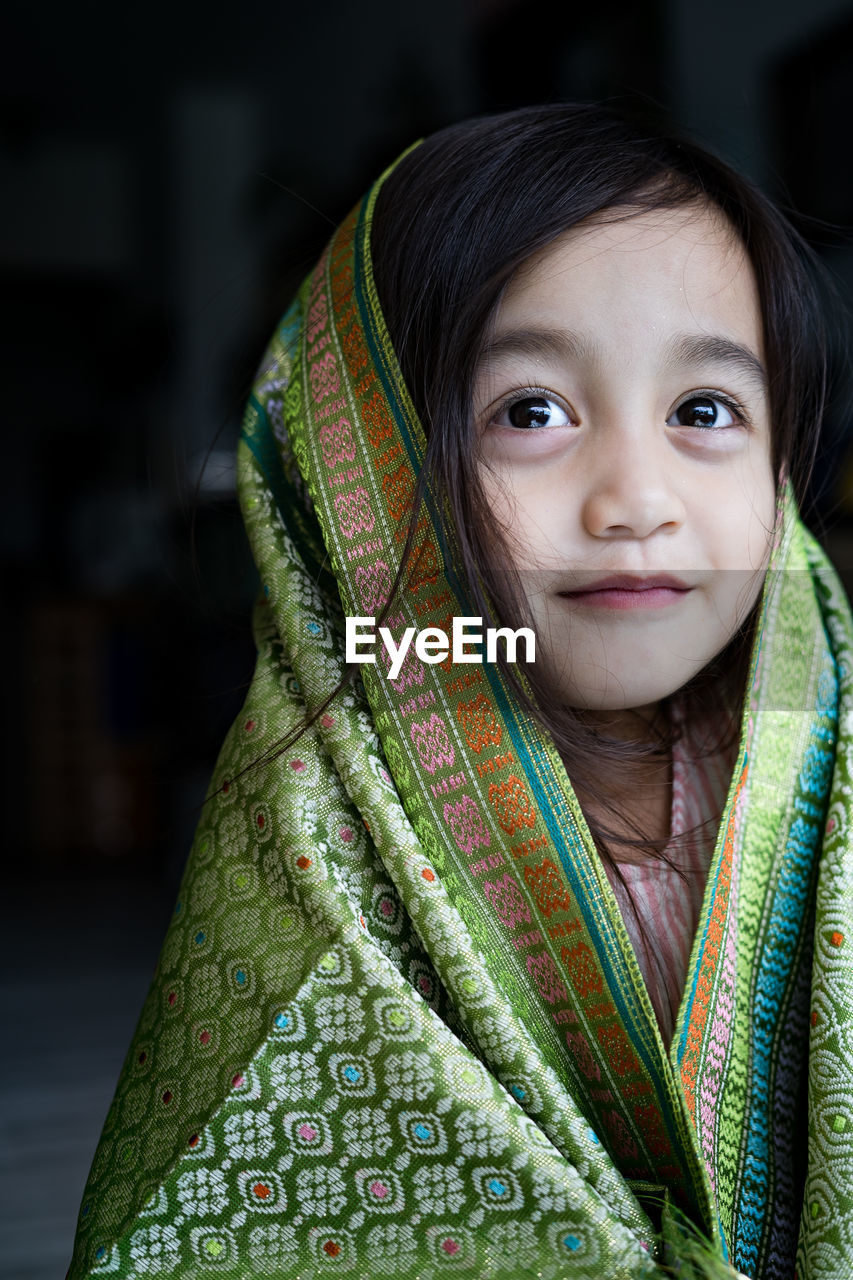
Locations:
{"points": [[532, 412], [702, 411]]}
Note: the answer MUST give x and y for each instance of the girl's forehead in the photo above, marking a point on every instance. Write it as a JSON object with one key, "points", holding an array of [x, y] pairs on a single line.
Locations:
{"points": [[686, 263], [633, 229]]}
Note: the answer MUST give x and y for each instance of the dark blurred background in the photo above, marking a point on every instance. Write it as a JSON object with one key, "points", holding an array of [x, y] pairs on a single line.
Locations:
{"points": [[170, 172]]}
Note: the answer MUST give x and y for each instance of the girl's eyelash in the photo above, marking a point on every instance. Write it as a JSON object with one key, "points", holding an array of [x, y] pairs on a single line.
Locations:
{"points": [[709, 394], [525, 393]]}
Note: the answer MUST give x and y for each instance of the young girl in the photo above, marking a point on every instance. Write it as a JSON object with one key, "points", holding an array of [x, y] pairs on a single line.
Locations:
{"points": [[501, 968]]}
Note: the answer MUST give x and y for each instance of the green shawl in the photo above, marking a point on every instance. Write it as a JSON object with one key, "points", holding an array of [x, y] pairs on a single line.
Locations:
{"points": [[397, 1027]]}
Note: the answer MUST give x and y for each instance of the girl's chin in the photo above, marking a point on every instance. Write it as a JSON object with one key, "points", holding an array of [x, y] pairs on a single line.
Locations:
{"points": [[606, 681], [628, 697]]}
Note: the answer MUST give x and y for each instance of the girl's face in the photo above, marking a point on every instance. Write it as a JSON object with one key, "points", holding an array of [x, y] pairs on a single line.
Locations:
{"points": [[624, 445]]}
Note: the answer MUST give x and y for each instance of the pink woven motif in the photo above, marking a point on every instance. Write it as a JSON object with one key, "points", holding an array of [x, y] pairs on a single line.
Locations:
{"points": [[466, 825], [432, 744], [325, 380], [583, 1055], [316, 321], [337, 442], [505, 897], [373, 584], [546, 975], [411, 670], [354, 513]]}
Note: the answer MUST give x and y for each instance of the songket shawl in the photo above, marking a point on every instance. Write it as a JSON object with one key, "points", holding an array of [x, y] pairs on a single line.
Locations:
{"points": [[397, 1028]]}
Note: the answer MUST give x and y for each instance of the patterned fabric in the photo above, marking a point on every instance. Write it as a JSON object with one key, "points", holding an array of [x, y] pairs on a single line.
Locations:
{"points": [[397, 1027]]}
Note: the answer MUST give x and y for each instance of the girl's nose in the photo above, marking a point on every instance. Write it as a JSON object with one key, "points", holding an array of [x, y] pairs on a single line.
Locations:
{"points": [[630, 492]]}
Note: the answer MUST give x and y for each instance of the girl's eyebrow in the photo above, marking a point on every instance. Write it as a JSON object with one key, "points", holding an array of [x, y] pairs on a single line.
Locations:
{"points": [[682, 349], [547, 344], [693, 348]]}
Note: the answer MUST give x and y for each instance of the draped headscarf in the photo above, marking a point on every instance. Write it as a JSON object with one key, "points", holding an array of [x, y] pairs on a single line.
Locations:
{"points": [[397, 1027]]}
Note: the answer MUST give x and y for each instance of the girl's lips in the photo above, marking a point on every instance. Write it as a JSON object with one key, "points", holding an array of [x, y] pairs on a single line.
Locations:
{"points": [[624, 592]]}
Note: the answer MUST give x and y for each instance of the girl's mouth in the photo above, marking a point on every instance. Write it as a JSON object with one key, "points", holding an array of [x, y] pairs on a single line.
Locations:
{"points": [[624, 591]]}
